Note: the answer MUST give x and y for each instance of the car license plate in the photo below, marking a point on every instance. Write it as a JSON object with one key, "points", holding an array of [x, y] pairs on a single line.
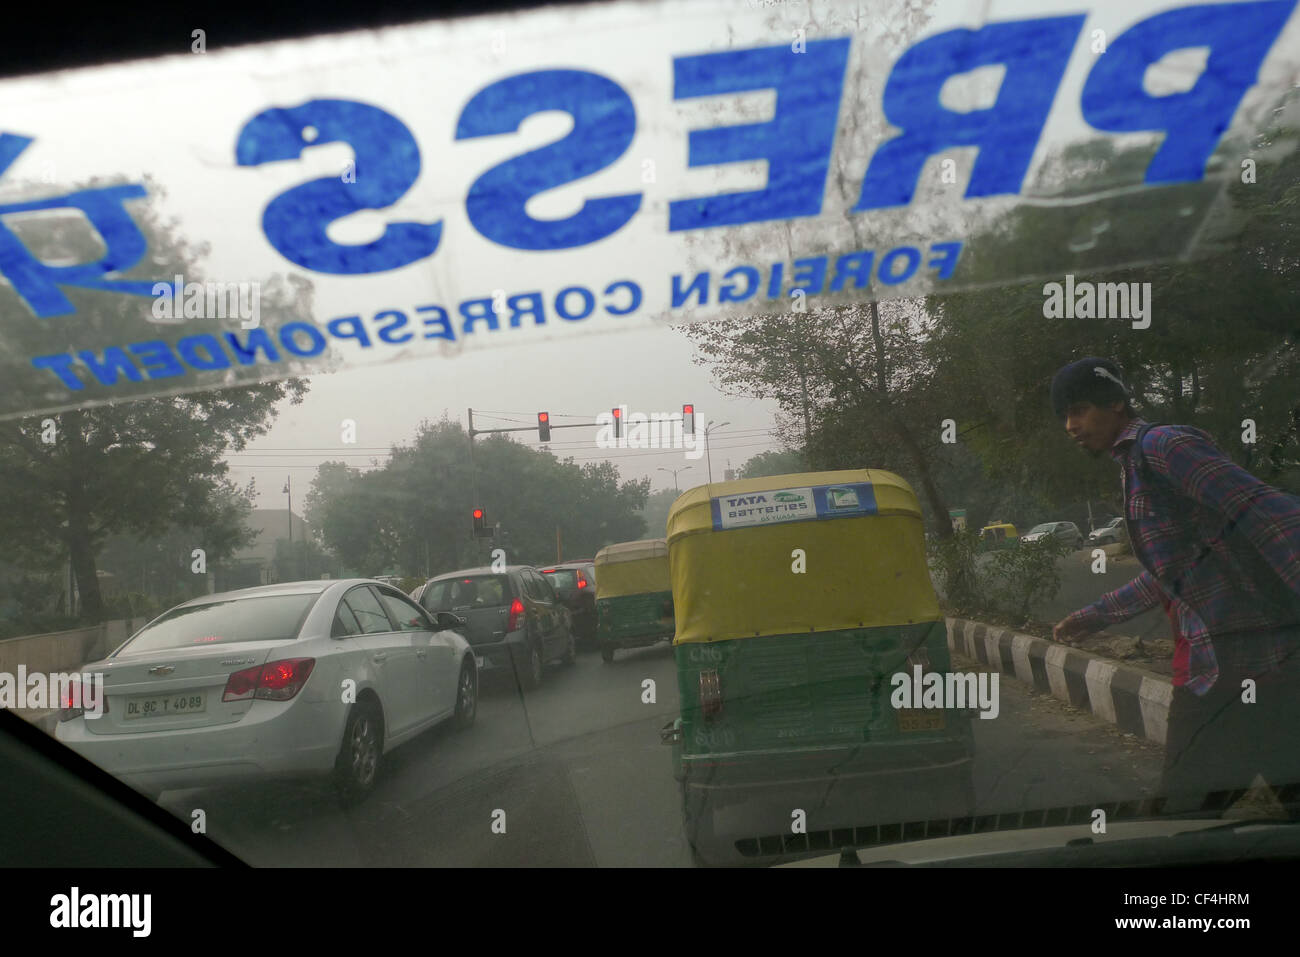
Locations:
{"points": [[920, 719], [161, 706]]}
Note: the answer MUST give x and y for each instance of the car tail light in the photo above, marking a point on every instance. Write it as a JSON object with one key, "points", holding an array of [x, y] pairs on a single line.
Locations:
{"points": [[273, 681], [710, 693], [68, 706], [582, 583], [516, 609]]}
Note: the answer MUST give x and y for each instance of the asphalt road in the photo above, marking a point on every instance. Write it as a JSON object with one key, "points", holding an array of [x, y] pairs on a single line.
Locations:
{"points": [[581, 778]]}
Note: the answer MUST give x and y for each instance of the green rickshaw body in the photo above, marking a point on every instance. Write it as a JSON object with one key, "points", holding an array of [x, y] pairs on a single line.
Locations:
{"points": [[799, 599], [634, 597]]}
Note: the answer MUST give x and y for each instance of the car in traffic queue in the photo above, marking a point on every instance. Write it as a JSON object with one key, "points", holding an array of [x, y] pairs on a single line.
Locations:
{"points": [[575, 585], [309, 679], [800, 600], [634, 596], [1111, 533], [513, 618], [1066, 532]]}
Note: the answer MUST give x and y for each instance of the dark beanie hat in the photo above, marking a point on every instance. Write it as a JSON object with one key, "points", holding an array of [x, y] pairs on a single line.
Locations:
{"points": [[1094, 380]]}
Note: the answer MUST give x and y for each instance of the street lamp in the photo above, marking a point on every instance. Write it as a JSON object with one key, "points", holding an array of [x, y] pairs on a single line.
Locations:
{"points": [[707, 429], [675, 471]]}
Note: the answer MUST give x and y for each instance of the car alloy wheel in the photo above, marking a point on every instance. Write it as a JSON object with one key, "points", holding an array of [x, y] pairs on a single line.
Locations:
{"points": [[362, 751], [466, 697]]}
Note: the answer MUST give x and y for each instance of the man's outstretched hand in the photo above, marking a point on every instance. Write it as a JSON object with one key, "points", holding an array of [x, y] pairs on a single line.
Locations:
{"points": [[1067, 632]]}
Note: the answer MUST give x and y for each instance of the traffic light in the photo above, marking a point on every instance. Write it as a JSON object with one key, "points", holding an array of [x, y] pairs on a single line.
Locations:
{"points": [[544, 426], [618, 423], [480, 522], [688, 418]]}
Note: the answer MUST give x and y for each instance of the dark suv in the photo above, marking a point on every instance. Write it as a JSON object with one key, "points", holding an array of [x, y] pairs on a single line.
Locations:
{"points": [[513, 618], [575, 583]]}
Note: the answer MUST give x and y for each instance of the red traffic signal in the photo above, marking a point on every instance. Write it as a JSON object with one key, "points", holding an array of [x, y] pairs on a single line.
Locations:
{"points": [[480, 521], [618, 422], [544, 426], [688, 418]]}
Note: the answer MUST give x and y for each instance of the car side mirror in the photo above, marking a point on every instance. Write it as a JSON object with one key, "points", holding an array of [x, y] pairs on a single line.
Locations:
{"points": [[449, 622]]}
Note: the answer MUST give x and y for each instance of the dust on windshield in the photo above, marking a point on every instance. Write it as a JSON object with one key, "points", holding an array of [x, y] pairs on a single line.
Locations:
{"points": [[919, 279]]}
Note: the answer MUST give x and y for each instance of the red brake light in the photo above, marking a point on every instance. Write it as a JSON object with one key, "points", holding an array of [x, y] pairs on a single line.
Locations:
{"points": [[72, 701], [516, 609], [582, 582], [274, 681], [710, 693]]}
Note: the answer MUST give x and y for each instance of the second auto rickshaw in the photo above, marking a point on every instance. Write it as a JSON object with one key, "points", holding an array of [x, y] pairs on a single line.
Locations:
{"points": [[634, 597]]}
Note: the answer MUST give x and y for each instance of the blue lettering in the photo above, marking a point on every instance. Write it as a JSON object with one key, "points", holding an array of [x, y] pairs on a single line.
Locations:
{"points": [[1239, 36], [440, 322], [948, 262], [157, 359], [1035, 54], [290, 329], [887, 274], [387, 165], [349, 327], [796, 143], [61, 366], [478, 309], [810, 275], [855, 266], [114, 361], [728, 291], [215, 357], [527, 303], [588, 302], [388, 333], [634, 291], [604, 122], [257, 339], [680, 295]]}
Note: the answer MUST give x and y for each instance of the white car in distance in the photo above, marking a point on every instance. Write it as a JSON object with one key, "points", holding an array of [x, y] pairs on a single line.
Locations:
{"points": [[297, 680]]}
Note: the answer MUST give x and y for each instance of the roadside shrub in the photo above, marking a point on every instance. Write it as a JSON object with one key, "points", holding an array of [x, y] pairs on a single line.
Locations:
{"points": [[953, 561], [1022, 576]]}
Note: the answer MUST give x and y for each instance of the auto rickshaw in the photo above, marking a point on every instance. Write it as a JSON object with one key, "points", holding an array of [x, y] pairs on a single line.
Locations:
{"points": [[634, 596], [998, 535], [798, 600]]}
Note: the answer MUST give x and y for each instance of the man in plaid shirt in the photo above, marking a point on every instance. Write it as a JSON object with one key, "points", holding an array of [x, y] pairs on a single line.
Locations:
{"points": [[1220, 551]]}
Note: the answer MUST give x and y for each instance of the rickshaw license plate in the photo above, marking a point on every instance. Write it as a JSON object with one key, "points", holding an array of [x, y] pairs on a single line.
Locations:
{"points": [[919, 719]]}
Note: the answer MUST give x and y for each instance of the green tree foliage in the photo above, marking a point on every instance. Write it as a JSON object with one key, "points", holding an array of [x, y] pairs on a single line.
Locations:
{"points": [[414, 512], [774, 462]]}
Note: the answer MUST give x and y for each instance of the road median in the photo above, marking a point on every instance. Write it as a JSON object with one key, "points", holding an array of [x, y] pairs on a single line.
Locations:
{"points": [[1133, 699]]}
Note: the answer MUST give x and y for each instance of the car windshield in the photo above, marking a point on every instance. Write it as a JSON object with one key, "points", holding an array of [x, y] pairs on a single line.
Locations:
{"points": [[480, 591], [564, 579], [262, 618], [791, 314]]}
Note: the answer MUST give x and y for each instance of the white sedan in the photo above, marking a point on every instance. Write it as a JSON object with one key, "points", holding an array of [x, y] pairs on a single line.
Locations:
{"points": [[299, 680]]}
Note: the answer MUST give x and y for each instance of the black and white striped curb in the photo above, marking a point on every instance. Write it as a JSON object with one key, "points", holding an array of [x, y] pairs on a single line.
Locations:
{"points": [[1132, 699]]}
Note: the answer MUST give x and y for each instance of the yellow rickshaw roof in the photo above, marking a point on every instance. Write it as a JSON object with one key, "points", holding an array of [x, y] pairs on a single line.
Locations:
{"points": [[893, 495], [632, 551]]}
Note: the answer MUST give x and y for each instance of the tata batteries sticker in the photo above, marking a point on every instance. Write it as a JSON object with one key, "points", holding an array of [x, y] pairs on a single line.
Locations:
{"points": [[793, 505], [219, 216]]}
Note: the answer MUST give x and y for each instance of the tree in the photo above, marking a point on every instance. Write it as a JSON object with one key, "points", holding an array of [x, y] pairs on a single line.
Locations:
{"points": [[774, 462], [137, 466], [413, 513]]}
